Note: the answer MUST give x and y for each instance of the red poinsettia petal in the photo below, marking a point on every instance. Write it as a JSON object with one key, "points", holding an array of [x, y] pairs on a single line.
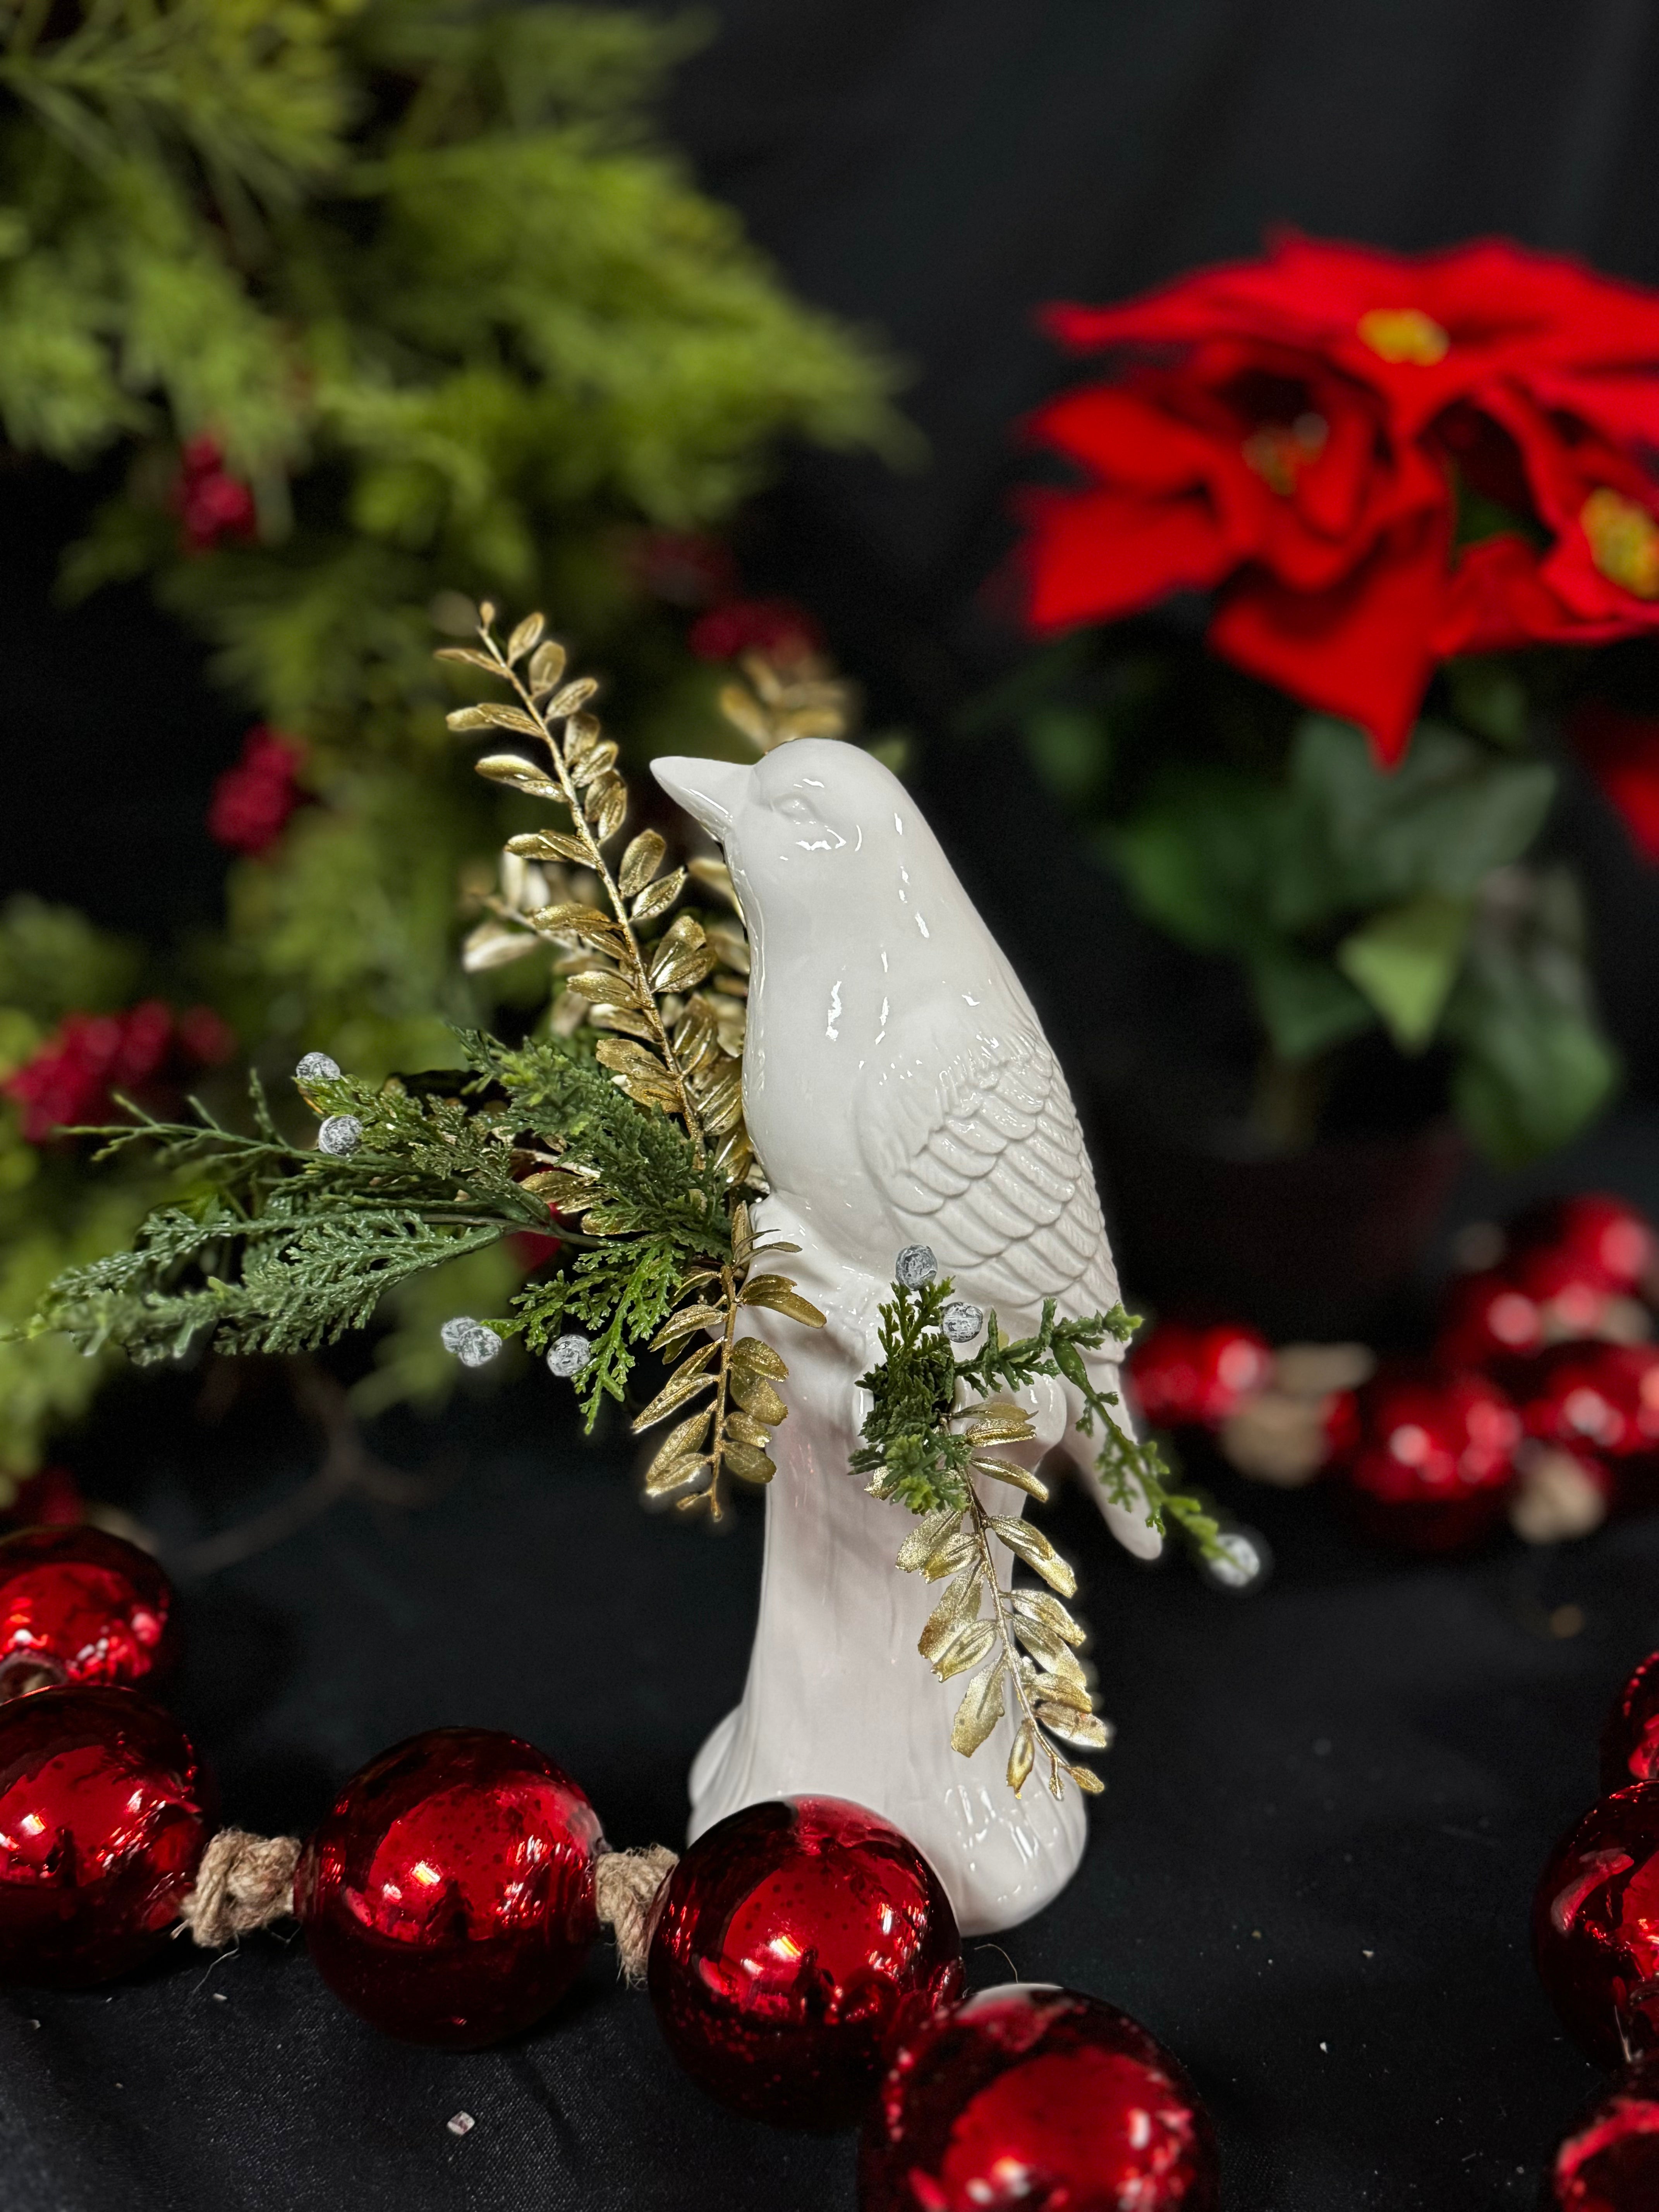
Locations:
{"points": [[1093, 555], [1362, 650], [1129, 437], [1497, 601], [1622, 752], [1421, 330]]}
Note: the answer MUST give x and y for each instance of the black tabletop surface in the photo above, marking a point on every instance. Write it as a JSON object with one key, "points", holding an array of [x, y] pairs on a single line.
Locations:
{"points": [[1310, 1875]]}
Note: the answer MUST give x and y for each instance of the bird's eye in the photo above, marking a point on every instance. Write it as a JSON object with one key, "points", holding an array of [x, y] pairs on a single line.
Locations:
{"points": [[796, 809]]}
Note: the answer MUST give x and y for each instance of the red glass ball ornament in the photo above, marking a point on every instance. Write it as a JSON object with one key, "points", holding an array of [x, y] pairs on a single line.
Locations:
{"points": [[1604, 1397], [1608, 2161], [1185, 1377], [1484, 1317], [1607, 1237], [77, 1605], [1434, 1462], [105, 1811], [791, 1943], [1630, 1740], [447, 1897], [1595, 1926], [1040, 2099]]}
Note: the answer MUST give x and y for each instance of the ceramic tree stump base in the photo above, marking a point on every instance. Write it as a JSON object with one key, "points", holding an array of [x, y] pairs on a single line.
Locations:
{"points": [[839, 1703]]}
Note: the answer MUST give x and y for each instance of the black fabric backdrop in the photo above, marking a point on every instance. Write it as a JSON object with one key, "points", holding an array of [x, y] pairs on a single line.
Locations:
{"points": [[1329, 1802]]}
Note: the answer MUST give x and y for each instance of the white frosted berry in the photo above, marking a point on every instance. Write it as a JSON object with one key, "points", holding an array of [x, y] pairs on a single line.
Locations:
{"points": [[480, 1347], [915, 1266], [317, 1067], [1243, 1562], [454, 1334], [340, 1135], [567, 1356], [961, 1321]]}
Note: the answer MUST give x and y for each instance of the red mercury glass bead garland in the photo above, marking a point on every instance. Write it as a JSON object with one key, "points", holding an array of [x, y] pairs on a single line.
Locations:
{"points": [[792, 1941], [1186, 1376], [1595, 1926], [447, 1897], [1610, 1239], [1630, 1740], [1434, 1466], [1039, 2097], [105, 1811], [1608, 2160], [78, 1605]]}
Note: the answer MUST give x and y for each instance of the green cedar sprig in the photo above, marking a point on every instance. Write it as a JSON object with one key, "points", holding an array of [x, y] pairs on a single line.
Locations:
{"points": [[932, 1428]]}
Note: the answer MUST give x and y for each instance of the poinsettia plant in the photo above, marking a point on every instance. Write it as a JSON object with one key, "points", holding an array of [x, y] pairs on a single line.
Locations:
{"points": [[1412, 492]]}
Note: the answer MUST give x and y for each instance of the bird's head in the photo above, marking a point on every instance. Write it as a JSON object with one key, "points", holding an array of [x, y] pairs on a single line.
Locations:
{"points": [[820, 830]]}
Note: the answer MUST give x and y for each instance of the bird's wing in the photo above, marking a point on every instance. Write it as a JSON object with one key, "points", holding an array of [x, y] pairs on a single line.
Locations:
{"points": [[978, 1153]]}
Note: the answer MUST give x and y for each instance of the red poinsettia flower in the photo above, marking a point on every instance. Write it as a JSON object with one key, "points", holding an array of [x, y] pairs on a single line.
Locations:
{"points": [[1294, 433], [252, 802]]}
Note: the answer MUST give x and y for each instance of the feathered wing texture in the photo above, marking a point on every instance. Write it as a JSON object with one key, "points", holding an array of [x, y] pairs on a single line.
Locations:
{"points": [[987, 1163]]}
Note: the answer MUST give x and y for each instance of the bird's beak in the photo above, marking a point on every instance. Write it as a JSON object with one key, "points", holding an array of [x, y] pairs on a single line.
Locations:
{"points": [[710, 790]]}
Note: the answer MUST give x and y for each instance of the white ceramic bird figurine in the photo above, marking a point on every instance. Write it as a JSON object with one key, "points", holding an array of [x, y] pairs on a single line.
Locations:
{"points": [[899, 1091]]}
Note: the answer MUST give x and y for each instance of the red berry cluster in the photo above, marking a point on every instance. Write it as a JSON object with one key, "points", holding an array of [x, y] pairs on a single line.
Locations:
{"points": [[776, 627], [252, 800], [72, 1077], [1595, 1940], [213, 506]]}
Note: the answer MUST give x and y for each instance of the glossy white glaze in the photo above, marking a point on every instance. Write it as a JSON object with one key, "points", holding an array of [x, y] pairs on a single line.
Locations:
{"points": [[899, 1091]]}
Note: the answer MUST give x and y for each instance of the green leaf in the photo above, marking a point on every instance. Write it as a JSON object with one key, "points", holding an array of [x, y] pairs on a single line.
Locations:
{"points": [[1196, 856], [1490, 698], [1306, 1006], [1406, 960], [1533, 1066], [1449, 813], [1071, 750]]}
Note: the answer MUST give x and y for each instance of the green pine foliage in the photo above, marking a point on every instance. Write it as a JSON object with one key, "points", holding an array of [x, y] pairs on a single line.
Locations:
{"points": [[430, 282]]}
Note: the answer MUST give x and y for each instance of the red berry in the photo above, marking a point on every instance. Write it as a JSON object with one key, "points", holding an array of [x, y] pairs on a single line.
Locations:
{"points": [[252, 800], [105, 1811], [1571, 1295], [77, 1605], [1595, 1926], [1608, 2160], [449, 1896], [792, 1942], [1434, 1464], [777, 628], [1484, 1317], [1602, 1396], [1038, 2096], [1607, 1236], [1184, 1376]]}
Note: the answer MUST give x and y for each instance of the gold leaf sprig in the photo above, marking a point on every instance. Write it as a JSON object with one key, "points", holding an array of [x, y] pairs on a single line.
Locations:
{"points": [[620, 988], [923, 1450], [743, 1371], [669, 1009], [787, 697]]}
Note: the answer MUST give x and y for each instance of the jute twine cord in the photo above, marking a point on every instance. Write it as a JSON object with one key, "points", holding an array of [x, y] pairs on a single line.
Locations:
{"points": [[247, 1882], [244, 1882], [625, 1887]]}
